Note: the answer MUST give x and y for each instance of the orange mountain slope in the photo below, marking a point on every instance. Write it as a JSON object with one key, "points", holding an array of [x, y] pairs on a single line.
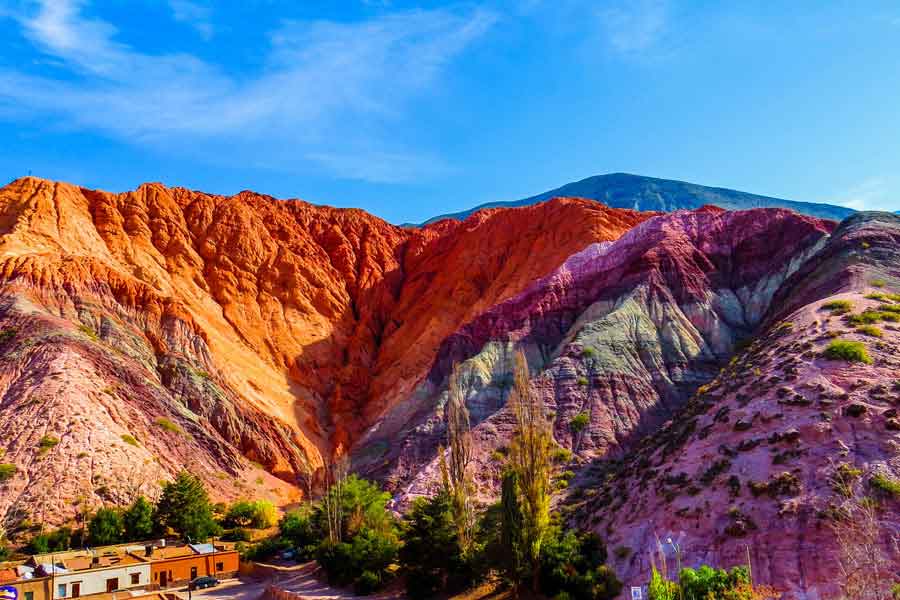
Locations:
{"points": [[240, 336]]}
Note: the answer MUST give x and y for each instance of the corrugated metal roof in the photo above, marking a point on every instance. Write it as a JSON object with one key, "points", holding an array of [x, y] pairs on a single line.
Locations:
{"points": [[203, 548]]}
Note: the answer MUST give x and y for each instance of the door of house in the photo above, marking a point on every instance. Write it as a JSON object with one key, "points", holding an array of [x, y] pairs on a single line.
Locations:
{"points": [[76, 589], [163, 579], [193, 573], [112, 584]]}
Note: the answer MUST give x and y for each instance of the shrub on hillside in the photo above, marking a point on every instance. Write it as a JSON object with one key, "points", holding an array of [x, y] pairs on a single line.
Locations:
{"points": [[838, 307], [869, 330], [848, 351], [7, 470], [579, 422], [885, 485]]}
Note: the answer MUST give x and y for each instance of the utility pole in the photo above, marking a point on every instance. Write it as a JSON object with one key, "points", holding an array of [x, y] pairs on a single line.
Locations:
{"points": [[749, 565]]}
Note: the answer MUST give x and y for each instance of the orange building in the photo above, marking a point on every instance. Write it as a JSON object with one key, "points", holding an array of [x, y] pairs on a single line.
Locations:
{"points": [[177, 565], [37, 588]]}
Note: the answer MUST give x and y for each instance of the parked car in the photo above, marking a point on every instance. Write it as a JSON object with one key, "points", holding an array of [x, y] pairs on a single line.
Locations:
{"points": [[204, 582]]}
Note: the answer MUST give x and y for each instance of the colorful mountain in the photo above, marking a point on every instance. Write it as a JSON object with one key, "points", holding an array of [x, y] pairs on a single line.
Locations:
{"points": [[243, 337], [251, 340]]}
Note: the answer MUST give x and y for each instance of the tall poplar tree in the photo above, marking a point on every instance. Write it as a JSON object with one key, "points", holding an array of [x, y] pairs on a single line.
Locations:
{"points": [[530, 459]]}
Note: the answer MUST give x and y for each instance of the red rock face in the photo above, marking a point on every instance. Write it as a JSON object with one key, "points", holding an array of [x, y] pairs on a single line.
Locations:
{"points": [[262, 334]]}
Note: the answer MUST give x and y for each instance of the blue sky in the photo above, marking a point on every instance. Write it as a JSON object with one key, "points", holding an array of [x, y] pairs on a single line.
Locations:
{"points": [[411, 109]]}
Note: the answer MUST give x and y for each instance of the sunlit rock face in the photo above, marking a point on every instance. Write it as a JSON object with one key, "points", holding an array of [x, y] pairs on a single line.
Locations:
{"points": [[245, 338]]}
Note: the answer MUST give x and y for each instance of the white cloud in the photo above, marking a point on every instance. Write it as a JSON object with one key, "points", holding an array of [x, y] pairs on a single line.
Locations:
{"points": [[874, 193], [327, 89], [195, 14], [634, 26]]}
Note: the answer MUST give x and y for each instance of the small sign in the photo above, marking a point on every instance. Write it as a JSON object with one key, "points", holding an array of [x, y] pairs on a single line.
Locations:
{"points": [[636, 594], [8, 592]]}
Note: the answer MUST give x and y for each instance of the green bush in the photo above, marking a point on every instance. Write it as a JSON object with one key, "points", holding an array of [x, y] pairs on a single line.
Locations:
{"points": [[870, 316], [7, 334], [848, 351], [296, 526], [265, 549], [838, 307], [367, 583], [129, 439], [55, 541], [237, 534], [588, 353], [168, 425], [46, 443], [885, 485], [368, 551], [7, 471], [561, 455], [579, 422], [870, 330], [707, 582], [573, 565], [258, 514]]}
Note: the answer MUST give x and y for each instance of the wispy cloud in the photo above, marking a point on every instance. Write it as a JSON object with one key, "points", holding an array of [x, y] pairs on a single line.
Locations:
{"points": [[327, 89], [634, 26], [874, 193], [198, 16]]}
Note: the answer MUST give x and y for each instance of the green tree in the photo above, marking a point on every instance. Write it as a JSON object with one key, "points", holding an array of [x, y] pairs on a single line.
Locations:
{"points": [[360, 504], [258, 514], [432, 556], [184, 507], [362, 536], [240, 514], [573, 564], [54, 541], [363, 561], [706, 581], [105, 528], [458, 480], [511, 526], [661, 588], [138, 520], [530, 458], [296, 527]]}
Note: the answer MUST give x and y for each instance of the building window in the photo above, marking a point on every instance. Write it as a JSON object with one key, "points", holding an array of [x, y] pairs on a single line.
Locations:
{"points": [[135, 578], [29, 595], [61, 590], [193, 572], [220, 567]]}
